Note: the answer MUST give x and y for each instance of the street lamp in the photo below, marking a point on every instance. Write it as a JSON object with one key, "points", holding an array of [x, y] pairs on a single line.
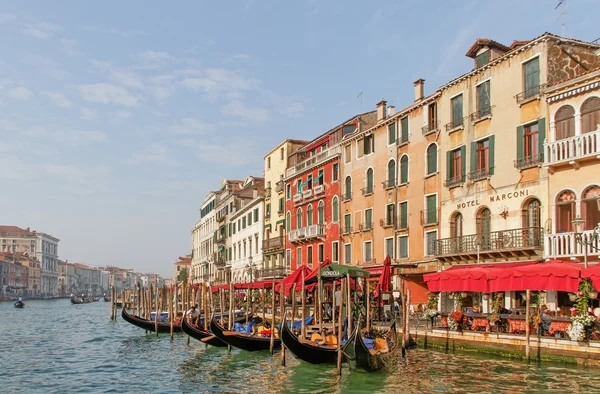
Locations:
{"points": [[578, 225]]}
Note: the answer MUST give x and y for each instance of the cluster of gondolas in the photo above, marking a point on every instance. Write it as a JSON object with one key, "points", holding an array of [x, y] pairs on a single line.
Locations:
{"points": [[83, 300], [338, 329]]}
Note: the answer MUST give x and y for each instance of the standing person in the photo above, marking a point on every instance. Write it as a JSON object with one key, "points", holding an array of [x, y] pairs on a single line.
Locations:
{"points": [[338, 301], [193, 314]]}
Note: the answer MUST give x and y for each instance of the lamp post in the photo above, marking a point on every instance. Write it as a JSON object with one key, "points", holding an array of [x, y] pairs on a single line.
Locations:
{"points": [[578, 225]]}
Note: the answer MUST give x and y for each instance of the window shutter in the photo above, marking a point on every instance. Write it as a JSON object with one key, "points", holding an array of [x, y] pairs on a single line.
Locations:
{"points": [[365, 146], [392, 134], [368, 217], [492, 153], [541, 136], [520, 142], [403, 215], [449, 165], [473, 156], [463, 161]]}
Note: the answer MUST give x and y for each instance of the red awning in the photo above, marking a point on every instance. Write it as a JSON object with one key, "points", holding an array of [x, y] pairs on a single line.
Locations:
{"points": [[315, 272], [593, 273], [264, 284], [216, 288], [374, 271], [551, 275], [418, 293], [293, 278]]}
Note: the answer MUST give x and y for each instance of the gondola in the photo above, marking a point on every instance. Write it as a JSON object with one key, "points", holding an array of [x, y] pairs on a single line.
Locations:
{"points": [[243, 340], [106, 299], [359, 356], [19, 304], [78, 301], [149, 325], [200, 334], [306, 350]]}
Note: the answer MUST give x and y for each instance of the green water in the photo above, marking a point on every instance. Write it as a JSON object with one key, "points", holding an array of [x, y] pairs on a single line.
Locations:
{"points": [[56, 347]]}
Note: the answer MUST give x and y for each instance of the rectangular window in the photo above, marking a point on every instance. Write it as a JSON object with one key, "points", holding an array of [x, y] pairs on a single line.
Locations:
{"points": [[288, 258], [281, 154], [403, 247], [320, 252], [431, 209], [368, 252], [392, 133], [430, 238], [349, 129], [299, 186], [347, 223], [268, 163], [389, 247], [335, 251], [457, 111], [336, 172], [531, 141], [483, 99], [280, 210], [360, 148], [256, 214], [347, 154], [309, 182], [432, 117], [309, 257], [369, 144], [347, 253], [390, 215], [404, 131], [403, 215], [482, 158], [249, 218], [321, 178], [368, 219], [531, 78], [298, 257], [482, 59], [288, 191], [243, 222], [483, 154]]}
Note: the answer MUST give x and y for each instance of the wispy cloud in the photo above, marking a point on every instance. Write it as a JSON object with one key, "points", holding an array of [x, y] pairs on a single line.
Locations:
{"points": [[71, 137], [220, 82], [47, 66], [191, 126], [238, 110], [59, 99], [151, 154], [88, 113], [18, 93], [69, 47], [152, 60], [106, 93], [41, 30], [117, 32], [7, 18]]}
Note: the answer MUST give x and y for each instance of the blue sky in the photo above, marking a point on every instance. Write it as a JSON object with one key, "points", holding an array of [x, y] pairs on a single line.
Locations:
{"points": [[116, 118]]}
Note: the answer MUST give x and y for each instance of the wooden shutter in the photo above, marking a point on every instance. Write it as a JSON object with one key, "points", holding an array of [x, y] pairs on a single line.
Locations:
{"points": [[403, 215], [450, 165], [368, 217], [532, 76], [520, 142], [405, 129], [491, 153], [473, 157], [541, 136], [392, 133]]}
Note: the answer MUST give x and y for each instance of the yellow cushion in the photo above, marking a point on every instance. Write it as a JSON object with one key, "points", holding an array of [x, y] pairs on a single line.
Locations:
{"points": [[316, 337], [331, 340], [380, 343]]}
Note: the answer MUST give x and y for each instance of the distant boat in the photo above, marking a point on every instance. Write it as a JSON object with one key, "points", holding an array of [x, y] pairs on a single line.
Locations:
{"points": [[149, 325], [106, 299], [19, 304]]}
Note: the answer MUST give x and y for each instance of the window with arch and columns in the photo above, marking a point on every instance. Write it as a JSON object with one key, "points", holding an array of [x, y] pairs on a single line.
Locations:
{"points": [[565, 211], [456, 225], [590, 115], [309, 215], [568, 122], [589, 207], [391, 173], [431, 154], [564, 122], [404, 169], [347, 188]]}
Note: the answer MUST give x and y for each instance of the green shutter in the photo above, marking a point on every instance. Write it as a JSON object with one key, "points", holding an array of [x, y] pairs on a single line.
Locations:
{"points": [[520, 141], [473, 156], [392, 133], [404, 129], [268, 209], [541, 136], [403, 215], [492, 153], [368, 217], [463, 161], [449, 165]]}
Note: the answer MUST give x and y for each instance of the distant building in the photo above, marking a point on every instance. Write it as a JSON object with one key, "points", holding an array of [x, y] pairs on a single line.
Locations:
{"points": [[183, 267]]}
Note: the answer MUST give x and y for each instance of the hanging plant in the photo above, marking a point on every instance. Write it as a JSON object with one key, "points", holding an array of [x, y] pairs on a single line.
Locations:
{"points": [[432, 302], [582, 298]]}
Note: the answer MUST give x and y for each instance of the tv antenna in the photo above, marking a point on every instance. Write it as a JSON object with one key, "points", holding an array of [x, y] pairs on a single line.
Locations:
{"points": [[563, 5], [361, 100]]}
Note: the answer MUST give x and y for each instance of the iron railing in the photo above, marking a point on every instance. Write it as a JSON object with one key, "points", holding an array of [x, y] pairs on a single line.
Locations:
{"points": [[456, 123], [273, 272], [346, 229], [529, 93], [274, 243], [520, 238], [429, 217], [366, 226], [367, 190], [480, 174], [390, 183], [430, 128], [529, 161], [454, 181], [279, 187], [481, 113], [389, 221], [403, 139]]}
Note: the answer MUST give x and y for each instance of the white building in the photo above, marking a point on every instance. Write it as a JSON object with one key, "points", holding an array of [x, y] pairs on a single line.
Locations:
{"points": [[246, 239], [203, 241]]}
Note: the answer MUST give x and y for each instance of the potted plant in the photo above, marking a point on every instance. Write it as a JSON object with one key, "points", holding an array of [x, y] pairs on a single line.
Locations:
{"points": [[455, 320], [576, 330]]}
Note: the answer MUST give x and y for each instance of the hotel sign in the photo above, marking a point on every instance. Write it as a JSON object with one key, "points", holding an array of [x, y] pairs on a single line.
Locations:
{"points": [[494, 198]]}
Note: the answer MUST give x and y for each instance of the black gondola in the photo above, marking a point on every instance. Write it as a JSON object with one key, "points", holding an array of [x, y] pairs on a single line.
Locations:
{"points": [[149, 325], [78, 301], [200, 334], [242, 340], [19, 304], [106, 299], [359, 356], [306, 350]]}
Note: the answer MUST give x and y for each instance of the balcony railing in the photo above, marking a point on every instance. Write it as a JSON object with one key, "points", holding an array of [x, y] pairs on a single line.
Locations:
{"points": [[274, 272], [221, 238], [220, 262], [313, 160], [481, 113], [279, 187], [480, 174], [430, 128], [454, 181], [533, 91], [565, 245], [573, 148], [520, 238], [307, 193], [529, 161], [389, 221], [429, 217], [456, 123], [367, 190], [389, 184], [319, 189], [307, 233], [297, 197], [403, 139], [346, 197], [275, 243], [366, 226], [346, 229]]}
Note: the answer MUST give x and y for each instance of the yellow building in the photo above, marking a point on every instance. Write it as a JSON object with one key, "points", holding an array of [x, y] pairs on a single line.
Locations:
{"points": [[571, 154], [273, 246]]}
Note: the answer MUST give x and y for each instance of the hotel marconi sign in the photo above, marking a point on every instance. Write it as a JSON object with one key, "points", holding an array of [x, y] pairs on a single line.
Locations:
{"points": [[494, 198]]}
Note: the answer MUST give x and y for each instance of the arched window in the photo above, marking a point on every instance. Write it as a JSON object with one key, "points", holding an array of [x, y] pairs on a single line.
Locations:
{"points": [[391, 171], [431, 159], [531, 214], [321, 212], [564, 122], [484, 227], [456, 225], [348, 188], [404, 169], [565, 211], [288, 221], [590, 114], [589, 207], [334, 210], [299, 218], [370, 180], [309, 215]]}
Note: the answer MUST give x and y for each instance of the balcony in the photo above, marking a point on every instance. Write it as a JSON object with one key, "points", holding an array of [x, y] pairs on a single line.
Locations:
{"points": [[388, 222], [297, 197], [307, 234], [508, 244], [220, 262], [483, 173], [279, 187], [220, 238], [319, 189], [273, 273], [454, 181], [267, 193], [572, 150], [346, 229], [403, 140], [529, 161], [313, 161], [565, 246], [530, 94], [481, 114], [429, 217], [366, 226], [389, 184], [367, 190], [430, 128], [455, 124], [346, 197], [271, 244], [306, 194]]}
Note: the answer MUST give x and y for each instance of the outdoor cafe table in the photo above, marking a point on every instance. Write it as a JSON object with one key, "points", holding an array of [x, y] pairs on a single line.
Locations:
{"points": [[559, 324]]}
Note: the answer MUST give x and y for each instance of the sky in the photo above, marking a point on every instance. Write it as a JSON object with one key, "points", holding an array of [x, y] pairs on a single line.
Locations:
{"points": [[117, 118]]}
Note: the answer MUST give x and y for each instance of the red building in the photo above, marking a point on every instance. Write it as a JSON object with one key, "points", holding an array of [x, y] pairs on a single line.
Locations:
{"points": [[312, 193]]}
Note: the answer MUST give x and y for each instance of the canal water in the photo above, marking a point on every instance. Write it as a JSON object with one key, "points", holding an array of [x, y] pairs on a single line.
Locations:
{"points": [[56, 347]]}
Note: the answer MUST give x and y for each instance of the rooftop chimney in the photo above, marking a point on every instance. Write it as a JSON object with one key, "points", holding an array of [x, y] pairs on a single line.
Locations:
{"points": [[391, 110], [381, 109], [28, 229], [419, 89]]}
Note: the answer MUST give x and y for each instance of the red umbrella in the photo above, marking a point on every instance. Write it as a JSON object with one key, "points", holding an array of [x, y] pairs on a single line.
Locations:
{"points": [[593, 273], [384, 280], [315, 273], [551, 275], [293, 278]]}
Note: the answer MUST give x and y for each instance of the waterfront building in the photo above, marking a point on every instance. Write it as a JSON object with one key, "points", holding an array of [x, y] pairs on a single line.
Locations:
{"points": [[203, 241], [273, 245], [183, 268], [312, 193], [3, 278], [571, 152], [245, 231], [492, 116]]}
